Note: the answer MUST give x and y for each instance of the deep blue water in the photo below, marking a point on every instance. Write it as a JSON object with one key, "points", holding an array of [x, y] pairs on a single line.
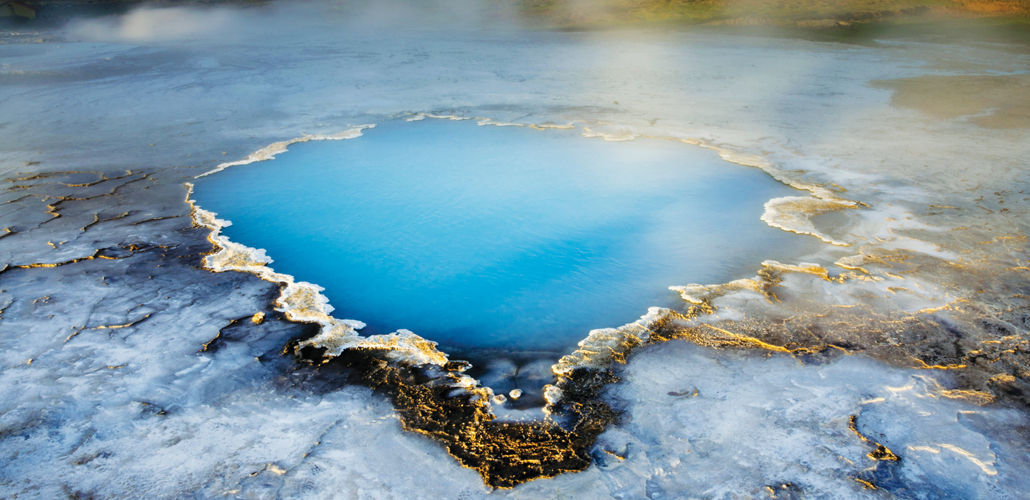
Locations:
{"points": [[500, 237]]}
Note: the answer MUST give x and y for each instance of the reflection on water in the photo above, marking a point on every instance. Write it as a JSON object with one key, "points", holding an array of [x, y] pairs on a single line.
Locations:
{"points": [[482, 236]]}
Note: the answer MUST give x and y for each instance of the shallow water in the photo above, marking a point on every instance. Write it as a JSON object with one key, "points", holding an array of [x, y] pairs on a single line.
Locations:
{"points": [[483, 236]]}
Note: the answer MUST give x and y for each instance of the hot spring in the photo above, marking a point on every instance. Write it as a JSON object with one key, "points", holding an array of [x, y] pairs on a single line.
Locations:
{"points": [[500, 237]]}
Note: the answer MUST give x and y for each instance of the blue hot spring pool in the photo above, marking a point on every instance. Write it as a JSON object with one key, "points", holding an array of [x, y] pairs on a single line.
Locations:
{"points": [[500, 237]]}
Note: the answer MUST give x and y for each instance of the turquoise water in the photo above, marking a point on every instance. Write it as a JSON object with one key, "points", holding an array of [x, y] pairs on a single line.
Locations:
{"points": [[500, 237]]}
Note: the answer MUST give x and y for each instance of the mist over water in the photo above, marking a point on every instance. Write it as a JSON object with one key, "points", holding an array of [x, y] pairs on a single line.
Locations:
{"points": [[483, 236]]}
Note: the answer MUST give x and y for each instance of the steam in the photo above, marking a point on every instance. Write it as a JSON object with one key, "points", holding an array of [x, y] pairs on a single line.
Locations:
{"points": [[149, 24]]}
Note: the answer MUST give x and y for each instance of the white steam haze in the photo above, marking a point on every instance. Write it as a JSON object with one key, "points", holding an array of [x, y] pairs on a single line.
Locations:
{"points": [[157, 24], [161, 24], [175, 91]]}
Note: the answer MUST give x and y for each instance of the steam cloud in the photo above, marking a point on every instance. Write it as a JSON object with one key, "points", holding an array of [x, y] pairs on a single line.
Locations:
{"points": [[149, 24]]}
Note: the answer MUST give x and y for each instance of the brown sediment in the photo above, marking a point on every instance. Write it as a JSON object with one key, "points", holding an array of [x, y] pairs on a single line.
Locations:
{"points": [[62, 199], [103, 178], [980, 339], [47, 175], [52, 208], [771, 274], [923, 366], [998, 239], [97, 254], [711, 336], [54, 264], [108, 327], [992, 101], [978, 398], [434, 403], [209, 346], [881, 452], [16, 200], [155, 219], [97, 220], [688, 393], [607, 346]]}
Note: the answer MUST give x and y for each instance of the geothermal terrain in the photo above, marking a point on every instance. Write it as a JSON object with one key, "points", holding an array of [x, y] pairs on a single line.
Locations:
{"points": [[861, 332]]}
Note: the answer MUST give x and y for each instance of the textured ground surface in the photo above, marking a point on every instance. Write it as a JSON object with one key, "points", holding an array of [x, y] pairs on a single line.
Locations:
{"points": [[124, 373]]}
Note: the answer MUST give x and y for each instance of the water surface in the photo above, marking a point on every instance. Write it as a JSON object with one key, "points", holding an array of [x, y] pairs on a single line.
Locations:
{"points": [[500, 237]]}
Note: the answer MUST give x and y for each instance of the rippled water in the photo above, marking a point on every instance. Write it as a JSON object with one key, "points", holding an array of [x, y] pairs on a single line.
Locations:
{"points": [[483, 236]]}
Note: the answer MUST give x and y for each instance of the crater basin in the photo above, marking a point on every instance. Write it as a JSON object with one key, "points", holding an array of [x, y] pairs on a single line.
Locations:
{"points": [[486, 237]]}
